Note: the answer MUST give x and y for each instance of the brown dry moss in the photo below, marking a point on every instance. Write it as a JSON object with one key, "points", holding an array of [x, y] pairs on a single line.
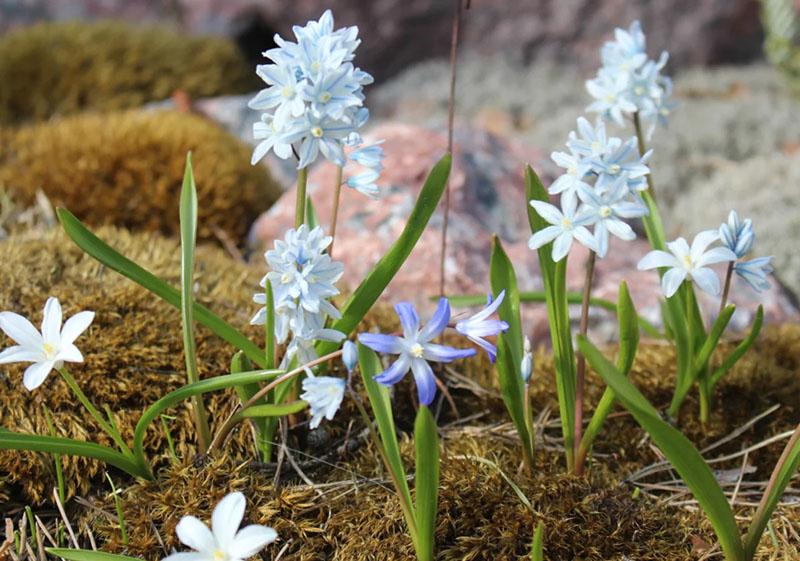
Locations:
{"points": [[61, 68], [126, 169], [480, 516], [133, 350]]}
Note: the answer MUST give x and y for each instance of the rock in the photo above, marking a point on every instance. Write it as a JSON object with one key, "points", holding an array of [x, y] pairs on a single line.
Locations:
{"points": [[398, 33], [488, 197]]}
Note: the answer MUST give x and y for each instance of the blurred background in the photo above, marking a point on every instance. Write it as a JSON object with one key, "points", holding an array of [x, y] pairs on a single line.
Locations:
{"points": [[101, 99]]}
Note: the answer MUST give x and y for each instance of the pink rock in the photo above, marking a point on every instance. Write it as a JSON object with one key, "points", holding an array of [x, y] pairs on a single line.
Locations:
{"points": [[487, 197]]}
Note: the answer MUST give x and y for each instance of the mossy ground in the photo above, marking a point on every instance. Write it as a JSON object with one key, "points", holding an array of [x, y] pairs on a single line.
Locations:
{"points": [[56, 69], [134, 355], [126, 169]]}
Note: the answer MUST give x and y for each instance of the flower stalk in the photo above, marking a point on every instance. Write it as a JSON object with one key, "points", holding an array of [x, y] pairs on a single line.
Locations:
{"points": [[300, 202], [337, 193], [581, 360]]}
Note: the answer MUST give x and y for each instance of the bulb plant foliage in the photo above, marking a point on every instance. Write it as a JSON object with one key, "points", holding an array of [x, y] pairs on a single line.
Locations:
{"points": [[314, 105]]}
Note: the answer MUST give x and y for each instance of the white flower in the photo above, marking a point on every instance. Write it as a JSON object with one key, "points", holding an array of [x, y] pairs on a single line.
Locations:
{"points": [[224, 541], [578, 167], [565, 226], [46, 350], [687, 263], [324, 395], [609, 209], [526, 364]]}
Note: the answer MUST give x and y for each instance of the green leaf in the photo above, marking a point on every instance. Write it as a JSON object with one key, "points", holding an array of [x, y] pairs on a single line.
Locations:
{"points": [[188, 223], [112, 259], [554, 276], [65, 446], [188, 391], [537, 547], [539, 297], [680, 452], [311, 214], [274, 409], [510, 344], [740, 349], [784, 471], [263, 437], [384, 270], [87, 555], [426, 486], [628, 344], [370, 366]]}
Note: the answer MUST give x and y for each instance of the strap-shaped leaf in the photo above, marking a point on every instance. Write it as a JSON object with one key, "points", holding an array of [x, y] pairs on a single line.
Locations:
{"points": [[426, 481], [115, 261], [274, 409], [503, 278], [537, 547], [784, 471], [513, 391], [188, 223], [740, 349], [87, 555], [263, 437], [386, 268], [190, 390], [370, 366], [65, 446], [680, 452]]}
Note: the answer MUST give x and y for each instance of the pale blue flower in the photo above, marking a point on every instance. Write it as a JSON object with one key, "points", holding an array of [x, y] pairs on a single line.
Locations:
{"points": [[318, 133], [610, 90], [364, 183], [685, 263], [737, 235], [624, 160], [334, 92], [565, 226], [415, 349], [567, 185], [526, 363], [285, 92], [324, 396], [627, 51], [591, 141], [754, 272], [478, 326], [350, 355], [266, 131], [610, 209], [370, 156]]}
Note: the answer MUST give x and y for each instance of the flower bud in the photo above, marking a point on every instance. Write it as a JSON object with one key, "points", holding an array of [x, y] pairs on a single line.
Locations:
{"points": [[349, 355]]}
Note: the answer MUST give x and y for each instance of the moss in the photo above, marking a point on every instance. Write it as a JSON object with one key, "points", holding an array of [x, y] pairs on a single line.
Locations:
{"points": [[133, 350], [126, 169], [61, 68]]}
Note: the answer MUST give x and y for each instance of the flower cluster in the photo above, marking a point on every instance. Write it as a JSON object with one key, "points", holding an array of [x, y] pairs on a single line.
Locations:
{"points": [[314, 100], [628, 82], [599, 188], [416, 350], [738, 236], [302, 277]]}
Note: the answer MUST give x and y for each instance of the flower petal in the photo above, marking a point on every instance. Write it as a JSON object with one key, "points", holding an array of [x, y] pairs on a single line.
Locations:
{"points": [[395, 372], [36, 374], [193, 533], [51, 321], [69, 353], [701, 242], [408, 318], [655, 259], [380, 343], [188, 556], [76, 325], [20, 330], [706, 280], [250, 540], [425, 380], [18, 353], [443, 353], [544, 236], [548, 212], [226, 518], [671, 281], [716, 255], [562, 245], [437, 323]]}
